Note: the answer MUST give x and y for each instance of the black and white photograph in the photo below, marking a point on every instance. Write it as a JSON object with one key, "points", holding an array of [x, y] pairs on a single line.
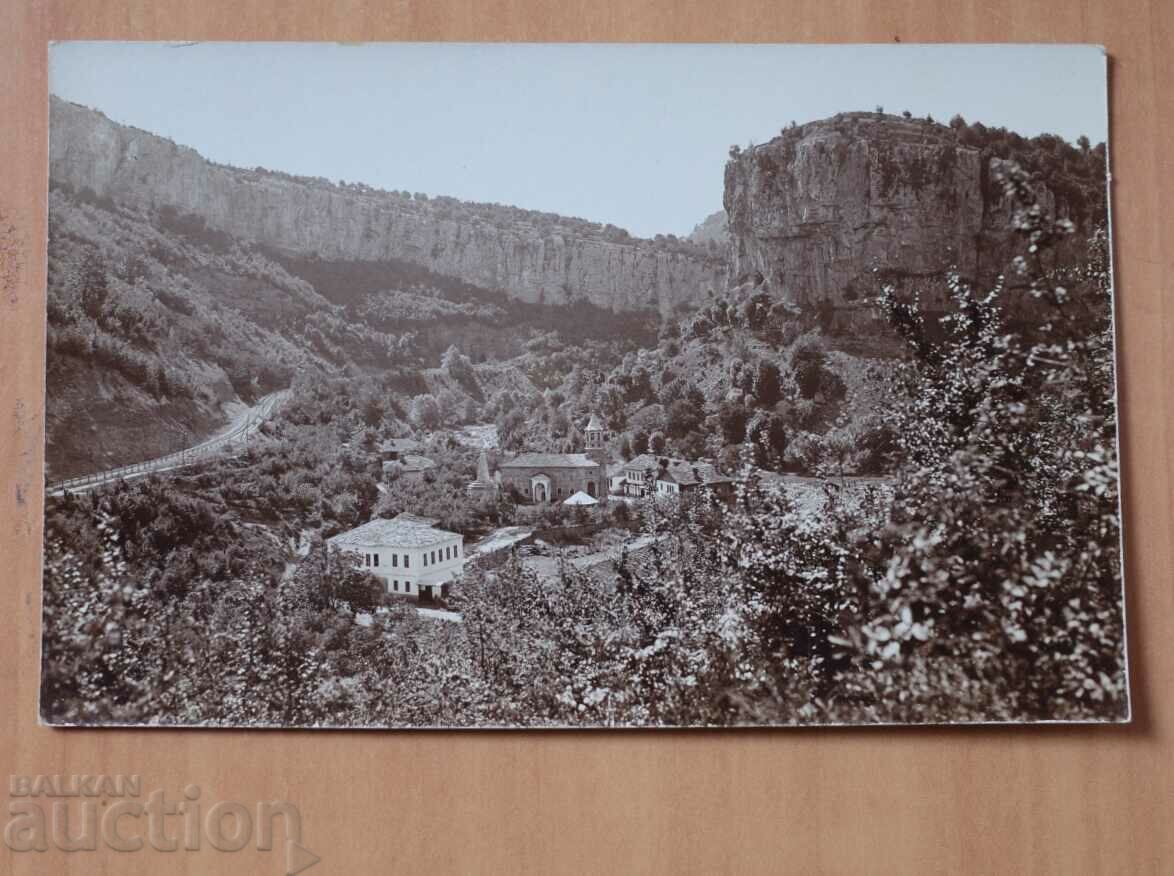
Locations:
{"points": [[421, 385]]}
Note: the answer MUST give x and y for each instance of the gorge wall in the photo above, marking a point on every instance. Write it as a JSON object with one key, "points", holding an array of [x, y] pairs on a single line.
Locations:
{"points": [[532, 256], [820, 209]]}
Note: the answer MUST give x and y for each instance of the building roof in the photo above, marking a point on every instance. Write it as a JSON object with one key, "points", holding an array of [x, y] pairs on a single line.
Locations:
{"points": [[644, 461], [402, 531], [595, 424], [679, 471], [550, 460], [580, 498], [689, 474], [411, 462]]}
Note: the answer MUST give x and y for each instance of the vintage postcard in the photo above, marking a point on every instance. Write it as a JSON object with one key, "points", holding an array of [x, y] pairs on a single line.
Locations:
{"points": [[456, 385]]}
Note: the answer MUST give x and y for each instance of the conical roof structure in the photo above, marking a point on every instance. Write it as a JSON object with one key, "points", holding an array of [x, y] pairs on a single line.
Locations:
{"points": [[484, 485]]}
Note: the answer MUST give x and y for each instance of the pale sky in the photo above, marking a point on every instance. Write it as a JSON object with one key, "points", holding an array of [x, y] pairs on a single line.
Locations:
{"points": [[636, 135]]}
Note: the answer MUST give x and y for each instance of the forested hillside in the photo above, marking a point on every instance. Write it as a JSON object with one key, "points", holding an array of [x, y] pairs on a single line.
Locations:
{"points": [[156, 322]]}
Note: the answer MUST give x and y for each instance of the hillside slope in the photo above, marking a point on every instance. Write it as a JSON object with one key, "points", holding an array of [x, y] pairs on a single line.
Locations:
{"points": [[159, 327]]}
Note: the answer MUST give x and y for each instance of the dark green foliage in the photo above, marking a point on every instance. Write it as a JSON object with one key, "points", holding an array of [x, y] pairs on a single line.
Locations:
{"points": [[814, 377], [733, 418], [427, 298], [768, 383]]}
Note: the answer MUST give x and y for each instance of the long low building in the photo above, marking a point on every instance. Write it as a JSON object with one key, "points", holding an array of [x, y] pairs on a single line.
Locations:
{"points": [[409, 553], [649, 474]]}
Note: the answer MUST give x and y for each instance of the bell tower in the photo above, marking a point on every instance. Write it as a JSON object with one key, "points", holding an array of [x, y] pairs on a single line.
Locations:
{"points": [[596, 437]]}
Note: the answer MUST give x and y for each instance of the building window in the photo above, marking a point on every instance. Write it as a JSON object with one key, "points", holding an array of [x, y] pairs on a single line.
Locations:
{"points": [[407, 587], [366, 559], [395, 561], [434, 558], [407, 561], [376, 558], [395, 586]]}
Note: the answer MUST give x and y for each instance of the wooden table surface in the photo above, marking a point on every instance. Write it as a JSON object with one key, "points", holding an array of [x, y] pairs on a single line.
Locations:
{"points": [[974, 800]]}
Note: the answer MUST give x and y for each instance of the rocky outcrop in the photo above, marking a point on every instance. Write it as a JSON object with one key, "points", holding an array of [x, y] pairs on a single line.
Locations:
{"points": [[817, 213], [715, 228], [533, 256]]}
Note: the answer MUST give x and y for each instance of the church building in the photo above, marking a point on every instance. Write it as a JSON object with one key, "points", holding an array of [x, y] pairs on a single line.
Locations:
{"points": [[544, 478]]}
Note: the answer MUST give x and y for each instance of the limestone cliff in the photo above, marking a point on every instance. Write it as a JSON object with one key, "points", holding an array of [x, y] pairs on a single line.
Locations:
{"points": [[821, 208], [533, 256]]}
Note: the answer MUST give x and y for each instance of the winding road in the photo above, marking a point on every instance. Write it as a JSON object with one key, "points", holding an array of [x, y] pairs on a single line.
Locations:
{"points": [[238, 431]]}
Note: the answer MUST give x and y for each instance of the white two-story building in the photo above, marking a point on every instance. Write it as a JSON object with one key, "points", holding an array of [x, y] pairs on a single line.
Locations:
{"points": [[409, 553]]}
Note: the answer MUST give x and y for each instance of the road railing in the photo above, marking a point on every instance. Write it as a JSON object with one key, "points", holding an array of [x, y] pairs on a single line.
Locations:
{"points": [[180, 458]]}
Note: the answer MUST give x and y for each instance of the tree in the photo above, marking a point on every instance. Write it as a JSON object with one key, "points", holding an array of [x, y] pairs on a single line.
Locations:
{"points": [[1004, 577], [639, 442], [684, 417], [373, 410], [94, 290], [334, 580], [456, 365], [656, 442], [841, 450], [733, 417], [810, 371], [768, 384], [425, 412]]}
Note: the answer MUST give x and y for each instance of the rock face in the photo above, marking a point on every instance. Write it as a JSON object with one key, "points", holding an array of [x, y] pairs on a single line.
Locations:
{"points": [[715, 228], [819, 210], [533, 256]]}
